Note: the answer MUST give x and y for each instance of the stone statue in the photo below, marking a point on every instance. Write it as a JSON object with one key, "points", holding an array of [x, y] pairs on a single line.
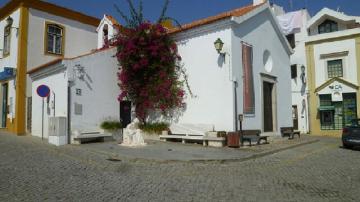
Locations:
{"points": [[132, 135]]}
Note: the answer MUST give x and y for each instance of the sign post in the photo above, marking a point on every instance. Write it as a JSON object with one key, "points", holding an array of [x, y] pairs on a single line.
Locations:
{"points": [[43, 91]]}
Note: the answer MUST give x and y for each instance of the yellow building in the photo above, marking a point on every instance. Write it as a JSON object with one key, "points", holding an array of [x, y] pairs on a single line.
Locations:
{"points": [[333, 65], [32, 33]]}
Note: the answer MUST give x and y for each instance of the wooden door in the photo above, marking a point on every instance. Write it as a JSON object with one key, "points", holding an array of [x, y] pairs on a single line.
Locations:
{"points": [[268, 106], [295, 117]]}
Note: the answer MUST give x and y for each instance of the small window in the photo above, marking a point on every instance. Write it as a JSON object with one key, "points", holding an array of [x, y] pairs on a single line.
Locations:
{"points": [[328, 26], [291, 40], [54, 39], [327, 118], [335, 68], [7, 37], [293, 71]]}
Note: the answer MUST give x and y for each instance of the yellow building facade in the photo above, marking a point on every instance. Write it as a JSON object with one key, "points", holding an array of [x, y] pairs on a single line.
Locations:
{"points": [[333, 69]]}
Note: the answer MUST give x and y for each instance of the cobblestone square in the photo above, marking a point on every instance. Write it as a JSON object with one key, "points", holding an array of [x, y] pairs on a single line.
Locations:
{"points": [[31, 170]]}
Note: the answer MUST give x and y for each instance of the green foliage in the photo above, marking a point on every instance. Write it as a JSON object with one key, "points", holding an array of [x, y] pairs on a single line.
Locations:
{"points": [[111, 125], [150, 71], [156, 128]]}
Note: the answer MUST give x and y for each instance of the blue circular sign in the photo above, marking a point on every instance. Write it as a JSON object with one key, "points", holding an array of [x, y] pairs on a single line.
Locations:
{"points": [[43, 90]]}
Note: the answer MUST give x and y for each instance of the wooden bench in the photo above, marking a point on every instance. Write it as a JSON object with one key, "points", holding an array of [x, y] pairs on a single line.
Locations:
{"points": [[289, 131], [252, 135], [91, 137]]}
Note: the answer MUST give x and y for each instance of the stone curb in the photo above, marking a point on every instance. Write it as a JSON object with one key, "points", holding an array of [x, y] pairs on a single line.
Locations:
{"points": [[250, 157]]}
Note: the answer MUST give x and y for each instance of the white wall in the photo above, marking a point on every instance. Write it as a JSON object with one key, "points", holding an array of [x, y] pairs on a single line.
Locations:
{"points": [[58, 85], [79, 39], [260, 33], [209, 79], [349, 61], [300, 89], [98, 98], [99, 90]]}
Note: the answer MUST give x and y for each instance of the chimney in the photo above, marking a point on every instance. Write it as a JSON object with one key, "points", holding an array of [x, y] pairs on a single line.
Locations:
{"points": [[257, 2]]}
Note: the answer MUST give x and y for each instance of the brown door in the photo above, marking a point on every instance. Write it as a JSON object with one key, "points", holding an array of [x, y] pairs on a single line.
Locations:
{"points": [[295, 117], [4, 104], [29, 115], [268, 111]]}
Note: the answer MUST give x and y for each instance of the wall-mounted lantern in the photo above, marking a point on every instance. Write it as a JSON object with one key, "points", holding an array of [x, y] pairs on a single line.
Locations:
{"points": [[302, 75], [10, 21], [219, 44]]}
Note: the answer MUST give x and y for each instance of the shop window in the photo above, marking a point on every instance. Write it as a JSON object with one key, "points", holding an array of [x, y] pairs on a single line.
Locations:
{"points": [[335, 115], [291, 40], [327, 120], [54, 39], [325, 100], [293, 71], [335, 68], [326, 116], [328, 26], [7, 37], [349, 103]]}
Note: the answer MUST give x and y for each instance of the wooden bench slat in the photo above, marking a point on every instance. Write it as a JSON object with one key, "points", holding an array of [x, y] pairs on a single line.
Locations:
{"points": [[289, 131], [252, 135]]}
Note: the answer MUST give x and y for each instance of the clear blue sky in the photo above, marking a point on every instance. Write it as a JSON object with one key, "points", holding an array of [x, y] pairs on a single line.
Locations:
{"points": [[189, 10]]}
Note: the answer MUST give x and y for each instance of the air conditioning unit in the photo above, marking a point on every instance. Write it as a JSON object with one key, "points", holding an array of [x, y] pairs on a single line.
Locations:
{"points": [[58, 131]]}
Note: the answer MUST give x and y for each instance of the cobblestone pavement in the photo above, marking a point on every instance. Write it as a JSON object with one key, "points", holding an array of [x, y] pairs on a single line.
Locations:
{"points": [[34, 171]]}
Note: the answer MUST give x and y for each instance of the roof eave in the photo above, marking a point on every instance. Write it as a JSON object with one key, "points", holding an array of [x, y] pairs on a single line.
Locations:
{"points": [[284, 41]]}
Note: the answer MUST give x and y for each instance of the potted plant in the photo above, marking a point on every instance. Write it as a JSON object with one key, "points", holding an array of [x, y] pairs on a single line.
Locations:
{"points": [[112, 127], [153, 130]]}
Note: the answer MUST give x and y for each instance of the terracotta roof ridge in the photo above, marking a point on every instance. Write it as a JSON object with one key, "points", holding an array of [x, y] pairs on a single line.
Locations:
{"points": [[40, 67], [235, 12], [52, 62], [90, 53]]}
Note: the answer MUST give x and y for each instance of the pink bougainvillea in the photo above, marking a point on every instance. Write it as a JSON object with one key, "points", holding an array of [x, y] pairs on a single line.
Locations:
{"points": [[148, 73]]}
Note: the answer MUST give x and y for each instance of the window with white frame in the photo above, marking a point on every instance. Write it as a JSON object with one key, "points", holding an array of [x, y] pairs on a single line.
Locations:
{"points": [[328, 26], [54, 39], [335, 68], [7, 37]]}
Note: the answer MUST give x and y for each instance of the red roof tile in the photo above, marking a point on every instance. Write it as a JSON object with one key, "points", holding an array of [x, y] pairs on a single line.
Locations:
{"points": [[233, 13]]}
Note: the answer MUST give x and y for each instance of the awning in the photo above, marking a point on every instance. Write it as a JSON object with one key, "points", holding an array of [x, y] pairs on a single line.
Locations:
{"points": [[7, 74], [326, 108]]}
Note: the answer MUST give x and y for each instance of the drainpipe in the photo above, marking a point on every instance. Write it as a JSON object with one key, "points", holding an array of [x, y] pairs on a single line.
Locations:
{"points": [[235, 105], [69, 111]]}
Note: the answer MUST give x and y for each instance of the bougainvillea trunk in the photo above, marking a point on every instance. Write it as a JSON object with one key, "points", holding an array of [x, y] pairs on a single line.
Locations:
{"points": [[148, 74]]}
